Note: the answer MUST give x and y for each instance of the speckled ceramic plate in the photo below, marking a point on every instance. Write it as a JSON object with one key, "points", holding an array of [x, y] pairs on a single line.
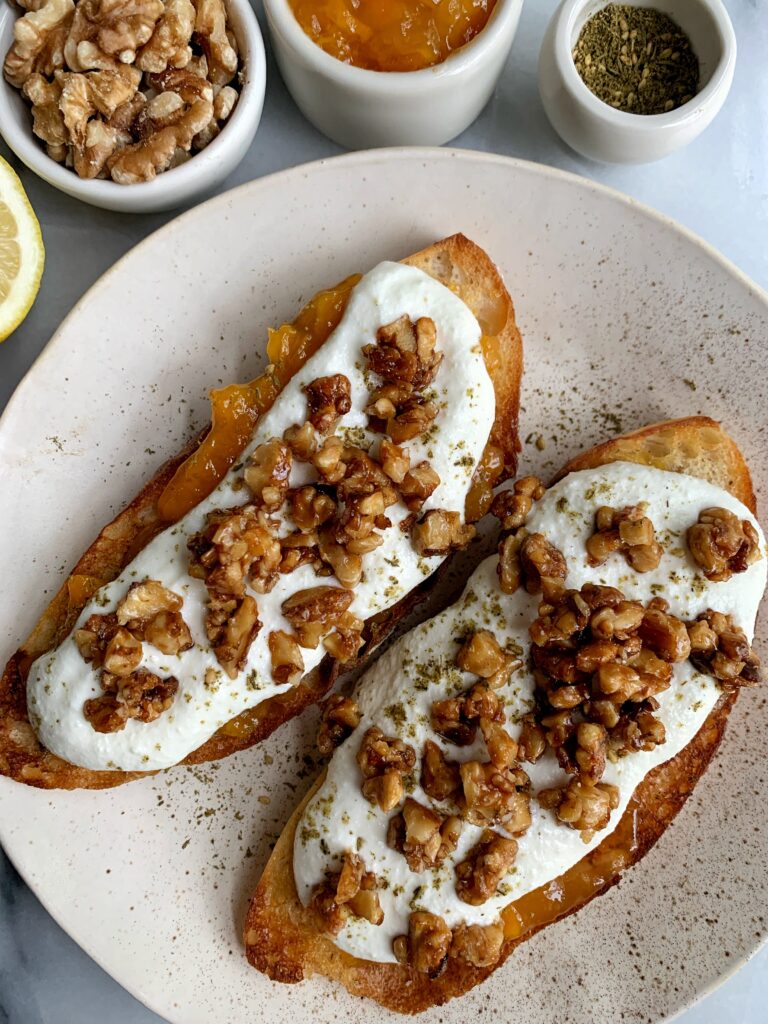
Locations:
{"points": [[626, 319]]}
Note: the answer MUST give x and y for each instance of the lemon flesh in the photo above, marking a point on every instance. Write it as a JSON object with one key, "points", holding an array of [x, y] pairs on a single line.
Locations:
{"points": [[22, 255]]}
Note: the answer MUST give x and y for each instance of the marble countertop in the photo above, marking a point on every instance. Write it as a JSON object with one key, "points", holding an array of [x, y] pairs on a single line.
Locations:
{"points": [[718, 187]]}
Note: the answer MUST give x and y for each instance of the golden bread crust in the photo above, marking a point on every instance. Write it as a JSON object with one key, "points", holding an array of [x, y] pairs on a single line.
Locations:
{"points": [[282, 938], [456, 262]]}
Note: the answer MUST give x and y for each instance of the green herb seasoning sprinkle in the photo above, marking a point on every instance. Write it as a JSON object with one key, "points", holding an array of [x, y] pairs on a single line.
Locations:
{"points": [[636, 59]]}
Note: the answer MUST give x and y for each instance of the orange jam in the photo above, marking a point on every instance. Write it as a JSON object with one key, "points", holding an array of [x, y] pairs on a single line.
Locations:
{"points": [[236, 408], [392, 35]]}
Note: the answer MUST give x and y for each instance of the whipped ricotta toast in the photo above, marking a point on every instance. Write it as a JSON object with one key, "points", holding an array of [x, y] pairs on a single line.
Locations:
{"points": [[492, 747], [350, 494]]}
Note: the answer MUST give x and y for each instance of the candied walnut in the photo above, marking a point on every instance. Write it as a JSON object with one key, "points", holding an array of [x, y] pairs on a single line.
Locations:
{"points": [[417, 485], [478, 877], [143, 601], [722, 544], [268, 473], [540, 563], [328, 398], [347, 566], [404, 352], [512, 507], [439, 532], [581, 805], [287, 660], [236, 545], [348, 892], [426, 946], [141, 695], [231, 625], [327, 460], [315, 611], [395, 461], [345, 642], [364, 476], [302, 441], [723, 651], [424, 838], [38, 42], [169, 45], [384, 760], [456, 718], [626, 530], [440, 778], [105, 32], [496, 796], [665, 634], [310, 508], [502, 749], [478, 945], [483, 655], [636, 728], [617, 621], [122, 654], [509, 569], [532, 742], [584, 752], [217, 43], [169, 633], [339, 717], [413, 419], [299, 549], [93, 637]]}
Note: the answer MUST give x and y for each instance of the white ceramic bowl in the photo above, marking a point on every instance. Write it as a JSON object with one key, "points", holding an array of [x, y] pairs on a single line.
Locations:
{"points": [[171, 188], [597, 130], [362, 109]]}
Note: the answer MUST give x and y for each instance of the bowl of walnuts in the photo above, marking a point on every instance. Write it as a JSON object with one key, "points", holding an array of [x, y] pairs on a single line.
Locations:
{"points": [[131, 105]]}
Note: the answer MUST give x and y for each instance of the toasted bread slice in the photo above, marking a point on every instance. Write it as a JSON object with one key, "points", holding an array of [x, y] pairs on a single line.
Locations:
{"points": [[469, 272], [281, 935]]}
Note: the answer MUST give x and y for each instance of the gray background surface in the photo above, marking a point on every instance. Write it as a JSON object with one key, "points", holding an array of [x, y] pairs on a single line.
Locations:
{"points": [[718, 187]]}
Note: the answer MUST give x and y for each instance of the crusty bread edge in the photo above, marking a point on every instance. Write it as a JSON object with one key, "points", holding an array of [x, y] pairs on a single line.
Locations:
{"points": [[282, 937], [469, 271]]}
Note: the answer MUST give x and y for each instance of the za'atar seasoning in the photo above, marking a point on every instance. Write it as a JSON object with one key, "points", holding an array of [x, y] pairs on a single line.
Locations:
{"points": [[636, 59]]}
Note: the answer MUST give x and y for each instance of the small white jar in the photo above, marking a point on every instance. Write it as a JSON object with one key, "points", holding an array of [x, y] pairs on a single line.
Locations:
{"points": [[361, 109], [599, 131]]}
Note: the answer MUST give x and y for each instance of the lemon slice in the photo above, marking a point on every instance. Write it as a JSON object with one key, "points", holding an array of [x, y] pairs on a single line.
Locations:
{"points": [[22, 254]]}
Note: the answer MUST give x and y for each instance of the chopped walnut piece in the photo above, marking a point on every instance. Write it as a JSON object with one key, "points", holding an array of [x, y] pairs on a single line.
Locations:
{"points": [[235, 546], [627, 530], [404, 352], [123, 653], [417, 485], [411, 420], [268, 473], [384, 760], [439, 532], [347, 566], [395, 461], [315, 611], [348, 892], [328, 398], [424, 838], [287, 660], [231, 625], [426, 946], [665, 634], [478, 877], [509, 569], [141, 695], [581, 805], [502, 749], [478, 945], [512, 507], [532, 742], [143, 601], [169, 633], [440, 778], [339, 717], [541, 562], [302, 440], [327, 460], [722, 544], [720, 648], [310, 508], [345, 642], [483, 655], [94, 635], [456, 718], [496, 796], [635, 728]]}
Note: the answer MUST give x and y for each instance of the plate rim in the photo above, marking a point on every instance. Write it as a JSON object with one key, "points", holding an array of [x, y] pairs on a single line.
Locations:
{"points": [[361, 158]]}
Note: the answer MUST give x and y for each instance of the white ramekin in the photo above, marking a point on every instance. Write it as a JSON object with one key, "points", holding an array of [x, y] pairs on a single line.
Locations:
{"points": [[171, 188], [597, 130], [361, 109]]}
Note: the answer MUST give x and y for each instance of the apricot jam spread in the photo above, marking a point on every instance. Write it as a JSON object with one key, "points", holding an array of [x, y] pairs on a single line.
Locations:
{"points": [[392, 35]]}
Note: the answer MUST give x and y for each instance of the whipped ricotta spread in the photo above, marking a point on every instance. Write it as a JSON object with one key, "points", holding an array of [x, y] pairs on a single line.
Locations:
{"points": [[396, 695], [60, 682]]}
